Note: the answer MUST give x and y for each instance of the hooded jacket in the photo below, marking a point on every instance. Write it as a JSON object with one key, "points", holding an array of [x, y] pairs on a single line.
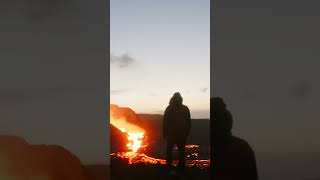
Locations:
{"points": [[176, 120]]}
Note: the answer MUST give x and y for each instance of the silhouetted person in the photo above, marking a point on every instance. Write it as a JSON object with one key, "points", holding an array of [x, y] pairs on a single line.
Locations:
{"points": [[233, 158], [176, 128]]}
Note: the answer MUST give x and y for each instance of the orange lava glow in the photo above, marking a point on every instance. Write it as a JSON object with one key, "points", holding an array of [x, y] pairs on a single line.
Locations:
{"points": [[136, 141], [135, 134], [138, 158], [192, 146], [141, 158]]}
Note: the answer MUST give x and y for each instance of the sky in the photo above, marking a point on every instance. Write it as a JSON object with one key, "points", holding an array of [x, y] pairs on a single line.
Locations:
{"points": [[53, 74], [266, 67], [158, 48]]}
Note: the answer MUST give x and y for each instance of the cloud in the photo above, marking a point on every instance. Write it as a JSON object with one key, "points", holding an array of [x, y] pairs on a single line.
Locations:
{"points": [[204, 90], [301, 89], [122, 61], [248, 93], [153, 94], [38, 10]]}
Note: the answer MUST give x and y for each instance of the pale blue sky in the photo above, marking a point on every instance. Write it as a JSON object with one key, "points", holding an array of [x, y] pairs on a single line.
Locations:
{"points": [[159, 47]]}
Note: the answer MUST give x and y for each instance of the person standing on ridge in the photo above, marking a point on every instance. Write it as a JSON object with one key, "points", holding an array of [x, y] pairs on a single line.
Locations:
{"points": [[176, 129]]}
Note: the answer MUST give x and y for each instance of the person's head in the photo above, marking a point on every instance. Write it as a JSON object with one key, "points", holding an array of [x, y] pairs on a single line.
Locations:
{"points": [[176, 99], [221, 116], [218, 104]]}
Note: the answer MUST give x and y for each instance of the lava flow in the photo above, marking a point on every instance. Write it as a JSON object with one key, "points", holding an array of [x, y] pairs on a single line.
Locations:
{"points": [[135, 134], [136, 139], [141, 158]]}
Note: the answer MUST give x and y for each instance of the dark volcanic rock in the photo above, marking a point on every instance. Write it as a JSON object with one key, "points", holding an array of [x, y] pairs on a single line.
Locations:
{"points": [[118, 140]]}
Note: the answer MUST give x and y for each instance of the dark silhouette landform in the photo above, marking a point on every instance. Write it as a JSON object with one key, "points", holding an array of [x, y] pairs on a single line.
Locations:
{"points": [[20, 160]]}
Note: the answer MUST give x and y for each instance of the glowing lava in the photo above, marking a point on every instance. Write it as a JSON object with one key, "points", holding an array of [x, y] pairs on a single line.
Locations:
{"points": [[135, 134], [136, 140], [141, 158]]}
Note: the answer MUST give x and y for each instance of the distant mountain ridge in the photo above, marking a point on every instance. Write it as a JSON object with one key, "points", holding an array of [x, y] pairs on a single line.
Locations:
{"points": [[200, 128]]}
